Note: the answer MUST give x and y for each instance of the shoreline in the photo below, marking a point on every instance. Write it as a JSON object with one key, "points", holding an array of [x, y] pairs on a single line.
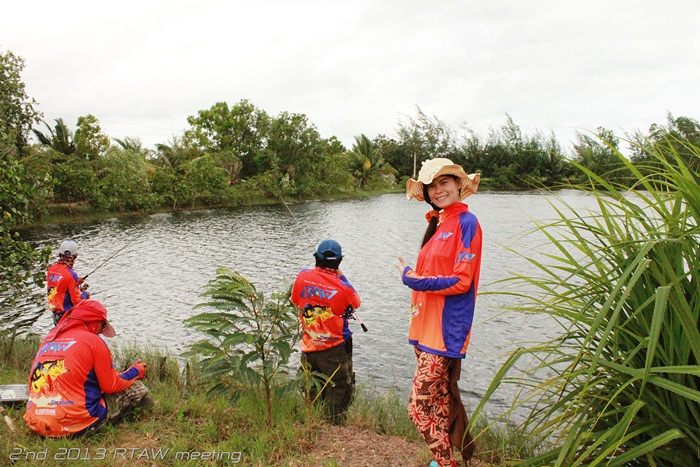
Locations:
{"points": [[60, 214]]}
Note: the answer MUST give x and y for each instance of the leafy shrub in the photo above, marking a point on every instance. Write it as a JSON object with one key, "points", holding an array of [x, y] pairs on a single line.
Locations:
{"points": [[248, 340], [123, 182], [169, 188], [74, 181], [207, 182]]}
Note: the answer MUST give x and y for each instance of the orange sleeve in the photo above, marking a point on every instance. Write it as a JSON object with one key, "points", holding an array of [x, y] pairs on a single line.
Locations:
{"points": [[110, 381], [74, 291]]}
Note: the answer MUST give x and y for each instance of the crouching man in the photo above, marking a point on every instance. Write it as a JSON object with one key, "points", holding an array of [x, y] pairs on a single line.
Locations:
{"points": [[73, 386]]}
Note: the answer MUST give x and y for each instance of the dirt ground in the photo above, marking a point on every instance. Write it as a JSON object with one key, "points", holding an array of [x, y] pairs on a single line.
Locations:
{"points": [[348, 446]]}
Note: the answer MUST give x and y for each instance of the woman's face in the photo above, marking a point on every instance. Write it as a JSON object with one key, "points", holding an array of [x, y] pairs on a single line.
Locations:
{"points": [[444, 191]]}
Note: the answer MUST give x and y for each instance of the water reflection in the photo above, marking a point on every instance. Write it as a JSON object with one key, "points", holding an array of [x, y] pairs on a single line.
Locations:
{"points": [[154, 284]]}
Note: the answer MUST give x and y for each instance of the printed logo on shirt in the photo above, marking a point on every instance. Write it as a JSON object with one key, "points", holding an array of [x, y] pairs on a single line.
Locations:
{"points": [[313, 322], [55, 278], [315, 313], [317, 292], [52, 293], [444, 235], [55, 347], [59, 402], [465, 256], [44, 375]]}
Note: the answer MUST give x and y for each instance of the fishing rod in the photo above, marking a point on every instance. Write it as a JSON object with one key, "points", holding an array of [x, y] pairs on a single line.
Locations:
{"points": [[350, 312], [113, 255]]}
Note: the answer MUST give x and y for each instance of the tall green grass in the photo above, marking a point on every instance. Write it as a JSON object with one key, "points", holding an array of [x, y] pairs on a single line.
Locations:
{"points": [[621, 383]]}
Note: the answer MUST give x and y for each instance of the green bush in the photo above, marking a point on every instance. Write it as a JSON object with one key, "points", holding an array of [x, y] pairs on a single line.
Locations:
{"points": [[170, 188], [207, 182], [22, 265], [248, 339], [74, 181], [123, 182]]}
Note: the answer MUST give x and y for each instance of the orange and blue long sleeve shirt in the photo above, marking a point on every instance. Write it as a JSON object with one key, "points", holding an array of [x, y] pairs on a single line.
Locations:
{"points": [[322, 296], [69, 376], [445, 283], [63, 288]]}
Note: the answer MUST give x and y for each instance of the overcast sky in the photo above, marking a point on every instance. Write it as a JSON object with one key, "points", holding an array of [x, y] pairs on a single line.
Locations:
{"points": [[353, 67]]}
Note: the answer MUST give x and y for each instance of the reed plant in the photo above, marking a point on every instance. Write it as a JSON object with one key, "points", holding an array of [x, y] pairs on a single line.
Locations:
{"points": [[620, 384]]}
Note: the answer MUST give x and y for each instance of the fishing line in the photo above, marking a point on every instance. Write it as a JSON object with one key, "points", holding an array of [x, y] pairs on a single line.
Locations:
{"points": [[350, 312], [113, 255], [309, 234]]}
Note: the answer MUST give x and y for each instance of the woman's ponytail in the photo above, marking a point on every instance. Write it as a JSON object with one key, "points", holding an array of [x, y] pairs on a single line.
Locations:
{"points": [[430, 231], [432, 216]]}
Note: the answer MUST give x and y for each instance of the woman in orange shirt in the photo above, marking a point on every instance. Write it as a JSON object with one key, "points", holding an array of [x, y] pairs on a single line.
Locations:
{"points": [[444, 286]]}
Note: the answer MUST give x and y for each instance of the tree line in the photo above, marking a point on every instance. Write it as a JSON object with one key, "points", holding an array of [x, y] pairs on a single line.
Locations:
{"points": [[232, 154]]}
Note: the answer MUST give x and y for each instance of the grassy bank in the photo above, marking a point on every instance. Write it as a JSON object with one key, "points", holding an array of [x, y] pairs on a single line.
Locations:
{"points": [[185, 422]]}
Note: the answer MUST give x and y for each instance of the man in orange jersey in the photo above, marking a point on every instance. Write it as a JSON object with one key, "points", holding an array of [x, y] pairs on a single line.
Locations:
{"points": [[73, 386], [324, 298], [63, 285]]}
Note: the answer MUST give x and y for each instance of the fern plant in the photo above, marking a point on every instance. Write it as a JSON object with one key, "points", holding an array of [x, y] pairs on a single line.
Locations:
{"points": [[248, 340]]}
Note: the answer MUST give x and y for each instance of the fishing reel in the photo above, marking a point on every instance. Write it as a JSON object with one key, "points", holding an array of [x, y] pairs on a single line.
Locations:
{"points": [[350, 313], [83, 286]]}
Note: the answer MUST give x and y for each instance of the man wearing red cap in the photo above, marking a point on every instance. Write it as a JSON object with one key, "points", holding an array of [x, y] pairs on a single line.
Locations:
{"points": [[73, 386], [322, 296]]}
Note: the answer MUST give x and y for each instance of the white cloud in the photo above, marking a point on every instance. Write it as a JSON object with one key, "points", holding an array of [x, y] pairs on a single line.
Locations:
{"points": [[356, 67]]}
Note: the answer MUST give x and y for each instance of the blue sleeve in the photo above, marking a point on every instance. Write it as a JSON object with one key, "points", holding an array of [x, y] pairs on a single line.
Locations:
{"points": [[429, 284], [346, 283], [353, 297], [131, 373]]}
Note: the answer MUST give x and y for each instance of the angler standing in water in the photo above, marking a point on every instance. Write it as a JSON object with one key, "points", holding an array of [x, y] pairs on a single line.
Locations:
{"points": [[444, 286], [63, 286]]}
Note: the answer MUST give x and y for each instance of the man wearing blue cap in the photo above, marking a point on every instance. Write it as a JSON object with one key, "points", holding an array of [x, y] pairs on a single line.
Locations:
{"points": [[325, 298]]}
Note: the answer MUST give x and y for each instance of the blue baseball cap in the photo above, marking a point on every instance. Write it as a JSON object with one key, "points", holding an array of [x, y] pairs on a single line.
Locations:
{"points": [[329, 250]]}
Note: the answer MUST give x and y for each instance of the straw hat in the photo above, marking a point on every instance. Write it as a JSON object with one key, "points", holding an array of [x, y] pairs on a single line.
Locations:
{"points": [[433, 168]]}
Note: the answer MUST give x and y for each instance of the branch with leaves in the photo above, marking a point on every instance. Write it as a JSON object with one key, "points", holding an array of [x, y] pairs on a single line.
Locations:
{"points": [[249, 340]]}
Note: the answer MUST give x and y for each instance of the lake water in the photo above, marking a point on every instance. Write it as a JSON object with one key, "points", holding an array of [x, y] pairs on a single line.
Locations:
{"points": [[155, 282]]}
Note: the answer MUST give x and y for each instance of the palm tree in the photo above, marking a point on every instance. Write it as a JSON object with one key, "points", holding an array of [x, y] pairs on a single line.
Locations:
{"points": [[131, 144], [175, 156], [60, 139], [369, 159]]}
